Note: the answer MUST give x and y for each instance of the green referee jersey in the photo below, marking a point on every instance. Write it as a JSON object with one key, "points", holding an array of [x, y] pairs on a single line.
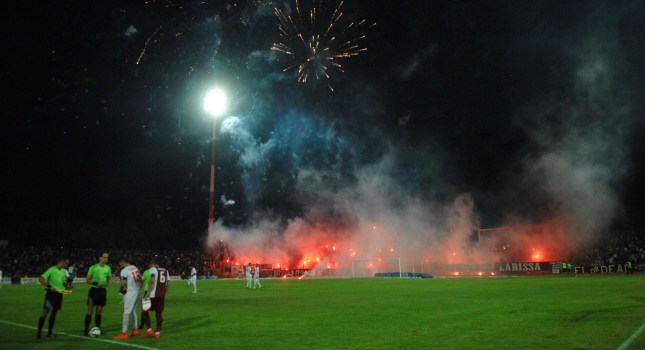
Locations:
{"points": [[99, 274], [55, 276], [146, 279]]}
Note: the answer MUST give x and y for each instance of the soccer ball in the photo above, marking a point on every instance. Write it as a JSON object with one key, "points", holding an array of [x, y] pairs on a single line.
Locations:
{"points": [[95, 332]]}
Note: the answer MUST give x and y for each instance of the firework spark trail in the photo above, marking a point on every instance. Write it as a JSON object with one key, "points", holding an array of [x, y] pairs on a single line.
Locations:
{"points": [[317, 42], [188, 29], [145, 46]]}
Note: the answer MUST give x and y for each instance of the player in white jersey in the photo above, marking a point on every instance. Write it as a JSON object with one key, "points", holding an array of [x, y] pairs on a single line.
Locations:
{"points": [[256, 277], [70, 274], [131, 286], [192, 279], [0, 278], [68, 279], [247, 272]]}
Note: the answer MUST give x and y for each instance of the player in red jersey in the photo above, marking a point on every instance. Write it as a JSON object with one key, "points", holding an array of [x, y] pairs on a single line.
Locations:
{"points": [[157, 289]]}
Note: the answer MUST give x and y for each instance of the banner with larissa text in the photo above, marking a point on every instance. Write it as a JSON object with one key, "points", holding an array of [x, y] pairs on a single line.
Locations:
{"points": [[556, 267]]}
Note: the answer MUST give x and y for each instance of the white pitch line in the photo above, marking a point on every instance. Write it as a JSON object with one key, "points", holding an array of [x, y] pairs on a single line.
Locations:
{"points": [[83, 337], [629, 340]]}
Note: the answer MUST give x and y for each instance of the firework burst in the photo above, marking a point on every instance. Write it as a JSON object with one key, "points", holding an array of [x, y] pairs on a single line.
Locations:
{"points": [[316, 40]]}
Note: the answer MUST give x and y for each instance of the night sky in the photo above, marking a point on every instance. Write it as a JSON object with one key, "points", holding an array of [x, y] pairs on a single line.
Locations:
{"points": [[532, 110]]}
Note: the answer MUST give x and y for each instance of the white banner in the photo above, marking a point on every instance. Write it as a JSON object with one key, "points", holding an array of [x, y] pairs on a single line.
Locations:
{"points": [[28, 280], [618, 268]]}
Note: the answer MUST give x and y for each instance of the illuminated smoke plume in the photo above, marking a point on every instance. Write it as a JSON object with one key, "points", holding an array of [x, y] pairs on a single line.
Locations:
{"points": [[580, 145], [314, 197], [364, 213]]}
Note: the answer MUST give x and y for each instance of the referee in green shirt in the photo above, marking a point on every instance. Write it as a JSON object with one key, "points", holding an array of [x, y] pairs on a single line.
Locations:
{"points": [[54, 280], [98, 277]]}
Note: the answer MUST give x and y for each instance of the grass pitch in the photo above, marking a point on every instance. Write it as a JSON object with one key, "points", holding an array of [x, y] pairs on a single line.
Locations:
{"points": [[550, 312]]}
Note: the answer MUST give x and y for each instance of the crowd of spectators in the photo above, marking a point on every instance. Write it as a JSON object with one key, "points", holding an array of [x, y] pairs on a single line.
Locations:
{"points": [[614, 249], [23, 261]]}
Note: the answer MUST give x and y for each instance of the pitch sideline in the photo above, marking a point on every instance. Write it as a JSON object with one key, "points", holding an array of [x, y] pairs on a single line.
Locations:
{"points": [[633, 337], [83, 337]]}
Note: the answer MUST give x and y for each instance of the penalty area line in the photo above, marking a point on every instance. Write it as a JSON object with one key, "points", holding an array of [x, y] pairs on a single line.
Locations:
{"points": [[83, 337], [629, 340]]}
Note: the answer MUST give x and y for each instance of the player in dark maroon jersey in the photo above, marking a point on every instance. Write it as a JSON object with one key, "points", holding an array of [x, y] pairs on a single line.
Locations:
{"points": [[157, 289]]}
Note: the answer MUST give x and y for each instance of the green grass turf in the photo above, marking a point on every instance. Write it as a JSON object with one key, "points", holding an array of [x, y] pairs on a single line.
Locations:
{"points": [[550, 312]]}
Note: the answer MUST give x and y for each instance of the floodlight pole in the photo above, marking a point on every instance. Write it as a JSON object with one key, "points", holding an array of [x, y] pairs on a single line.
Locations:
{"points": [[214, 104], [211, 196]]}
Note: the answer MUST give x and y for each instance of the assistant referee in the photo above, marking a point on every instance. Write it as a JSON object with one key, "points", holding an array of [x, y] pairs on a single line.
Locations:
{"points": [[54, 280]]}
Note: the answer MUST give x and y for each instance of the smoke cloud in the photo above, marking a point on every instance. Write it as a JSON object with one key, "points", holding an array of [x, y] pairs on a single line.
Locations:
{"points": [[319, 191], [579, 145], [349, 209]]}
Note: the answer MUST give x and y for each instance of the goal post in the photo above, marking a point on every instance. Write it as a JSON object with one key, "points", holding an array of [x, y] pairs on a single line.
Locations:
{"points": [[379, 267]]}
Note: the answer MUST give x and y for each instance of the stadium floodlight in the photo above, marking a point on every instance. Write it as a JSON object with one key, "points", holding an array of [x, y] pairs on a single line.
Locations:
{"points": [[377, 267], [214, 104]]}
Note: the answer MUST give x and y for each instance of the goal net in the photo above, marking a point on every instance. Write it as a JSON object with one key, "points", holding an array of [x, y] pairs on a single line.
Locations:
{"points": [[380, 267]]}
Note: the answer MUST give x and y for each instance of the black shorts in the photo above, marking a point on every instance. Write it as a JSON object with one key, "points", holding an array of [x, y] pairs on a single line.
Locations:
{"points": [[53, 301], [157, 304], [97, 297]]}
